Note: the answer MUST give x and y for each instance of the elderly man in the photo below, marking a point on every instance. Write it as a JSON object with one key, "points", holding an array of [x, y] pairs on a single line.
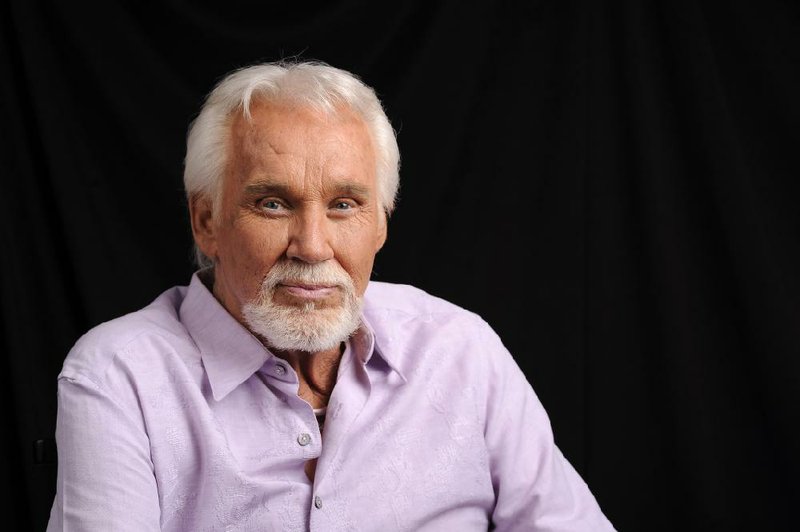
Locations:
{"points": [[282, 390]]}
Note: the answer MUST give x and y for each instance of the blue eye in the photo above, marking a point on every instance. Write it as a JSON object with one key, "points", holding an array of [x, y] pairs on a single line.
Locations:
{"points": [[343, 206], [271, 205]]}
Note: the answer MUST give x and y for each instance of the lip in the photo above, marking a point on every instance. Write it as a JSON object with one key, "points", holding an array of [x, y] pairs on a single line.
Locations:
{"points": [[307, 291]]}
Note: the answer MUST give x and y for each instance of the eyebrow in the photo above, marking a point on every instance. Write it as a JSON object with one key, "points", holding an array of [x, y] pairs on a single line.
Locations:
{"points": [[350, 189], [266, 188]]}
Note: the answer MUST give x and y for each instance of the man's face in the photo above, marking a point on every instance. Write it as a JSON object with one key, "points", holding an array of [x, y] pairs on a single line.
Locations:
{"points": [[300, 196]]}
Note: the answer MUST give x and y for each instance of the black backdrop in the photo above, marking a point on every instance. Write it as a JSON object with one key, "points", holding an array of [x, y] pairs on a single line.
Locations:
{"points": [[612, 185]]}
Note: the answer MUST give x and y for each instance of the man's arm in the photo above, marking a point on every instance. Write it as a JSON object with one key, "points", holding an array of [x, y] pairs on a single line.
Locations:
{"points": [[105, 474], [536, 488]]}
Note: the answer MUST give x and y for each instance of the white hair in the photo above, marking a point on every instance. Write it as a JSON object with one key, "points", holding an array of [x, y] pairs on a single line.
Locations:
{"points": [[308, 84]]}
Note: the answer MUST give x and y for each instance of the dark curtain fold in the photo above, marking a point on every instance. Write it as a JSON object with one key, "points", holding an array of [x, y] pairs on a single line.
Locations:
{"points": [[612, 185]]}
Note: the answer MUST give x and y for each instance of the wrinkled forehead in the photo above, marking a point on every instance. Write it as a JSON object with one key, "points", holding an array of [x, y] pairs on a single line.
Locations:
{"points": [[300, 141], [286, 124]]}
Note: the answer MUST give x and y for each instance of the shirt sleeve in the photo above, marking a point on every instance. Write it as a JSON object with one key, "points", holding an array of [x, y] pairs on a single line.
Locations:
{"points": [[105, 474], [536, 488]]}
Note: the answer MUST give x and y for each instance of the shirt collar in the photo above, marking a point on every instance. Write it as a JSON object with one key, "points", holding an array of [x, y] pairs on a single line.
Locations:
{"points": [[230, 353], [367, 343]]}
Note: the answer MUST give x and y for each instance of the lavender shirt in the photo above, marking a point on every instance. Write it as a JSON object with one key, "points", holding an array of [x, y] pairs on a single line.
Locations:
{"points": [[175, 417]]}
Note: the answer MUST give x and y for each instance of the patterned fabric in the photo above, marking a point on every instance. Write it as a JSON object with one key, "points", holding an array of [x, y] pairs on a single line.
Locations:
{"points": [[176, 418]]}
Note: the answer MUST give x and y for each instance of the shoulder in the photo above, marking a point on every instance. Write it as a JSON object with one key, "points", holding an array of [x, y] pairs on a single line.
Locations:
{"points": [[156, 327], [392, 307], [409, 300], [443, 350], [413, 325]]}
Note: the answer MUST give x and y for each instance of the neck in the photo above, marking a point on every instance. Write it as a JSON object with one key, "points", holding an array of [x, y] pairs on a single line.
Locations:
{"points": [[316, 371]]}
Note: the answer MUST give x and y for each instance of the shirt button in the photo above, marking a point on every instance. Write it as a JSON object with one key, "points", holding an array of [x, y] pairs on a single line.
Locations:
{"points": [[280, 370], [318, 502], [304, 439]]}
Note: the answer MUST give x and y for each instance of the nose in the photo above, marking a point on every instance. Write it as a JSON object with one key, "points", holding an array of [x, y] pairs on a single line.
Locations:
{"points": [[309, 238]]}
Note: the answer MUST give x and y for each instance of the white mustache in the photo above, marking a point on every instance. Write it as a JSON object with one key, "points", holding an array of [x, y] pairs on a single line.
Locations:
{"points": [[324, 273]]}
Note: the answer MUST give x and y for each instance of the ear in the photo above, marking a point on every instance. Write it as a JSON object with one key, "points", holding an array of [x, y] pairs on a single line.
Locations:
{"points": [[201, 213]]}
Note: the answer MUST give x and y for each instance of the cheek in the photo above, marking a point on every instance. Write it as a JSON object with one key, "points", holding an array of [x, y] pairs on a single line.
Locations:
{"points": [[253, 249], [356, 253]]}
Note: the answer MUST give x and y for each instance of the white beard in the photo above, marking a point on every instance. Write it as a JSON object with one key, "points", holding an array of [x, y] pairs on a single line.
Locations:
{"points": [[304, 328]]}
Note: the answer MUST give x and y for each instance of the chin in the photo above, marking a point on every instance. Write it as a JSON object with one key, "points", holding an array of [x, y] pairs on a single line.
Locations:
{"points": [[304, 307]]}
